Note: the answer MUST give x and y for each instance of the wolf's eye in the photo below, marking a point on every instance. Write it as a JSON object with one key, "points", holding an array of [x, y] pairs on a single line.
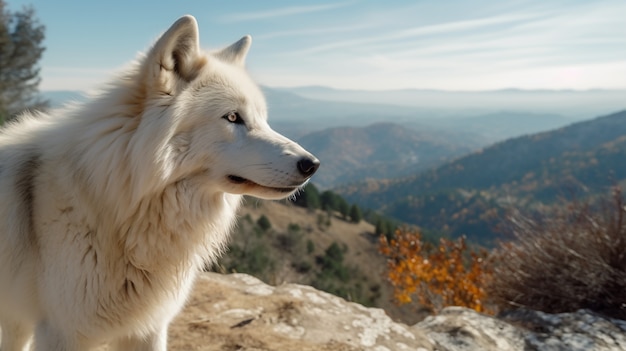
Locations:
{"points": [[233, 117]]}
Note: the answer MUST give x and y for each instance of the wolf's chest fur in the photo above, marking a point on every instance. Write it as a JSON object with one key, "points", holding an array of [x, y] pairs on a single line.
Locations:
{"points": [[140, 259]]}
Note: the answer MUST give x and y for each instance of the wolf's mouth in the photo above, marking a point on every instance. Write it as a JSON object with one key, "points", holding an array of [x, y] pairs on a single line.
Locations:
{"points": [[243, 181]]}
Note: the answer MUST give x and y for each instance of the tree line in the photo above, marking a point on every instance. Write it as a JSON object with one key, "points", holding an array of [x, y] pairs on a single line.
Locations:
{"points": [[310, 197]]}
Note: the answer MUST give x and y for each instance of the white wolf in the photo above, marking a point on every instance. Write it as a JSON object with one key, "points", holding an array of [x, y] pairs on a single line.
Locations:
{"points": [[110, 208]]}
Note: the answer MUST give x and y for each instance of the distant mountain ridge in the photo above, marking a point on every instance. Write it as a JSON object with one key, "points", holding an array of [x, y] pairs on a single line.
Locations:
{"points": [[380, 150], [390, 150], [467, 195], [571, 103]]}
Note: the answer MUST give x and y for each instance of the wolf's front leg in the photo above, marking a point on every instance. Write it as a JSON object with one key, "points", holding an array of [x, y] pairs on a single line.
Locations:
{"points": [[51, 338], [15, 336], [157, 341]]}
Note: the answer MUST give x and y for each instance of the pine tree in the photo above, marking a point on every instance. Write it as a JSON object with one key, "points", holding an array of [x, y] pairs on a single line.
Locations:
{"points": [[355, 214], [21, 37], [342, 207], [309, 197], [264, 223], [380, 227], [329, 201]]}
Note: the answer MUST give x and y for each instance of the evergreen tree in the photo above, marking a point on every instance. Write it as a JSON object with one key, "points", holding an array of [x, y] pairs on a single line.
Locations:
{"points": [[21, 37], [329, 201], [264, 223], [385, 227], [380, 227], [334, 252], [310, 246], [390, 229], [343, 207], [355, 214], [309, 197]]}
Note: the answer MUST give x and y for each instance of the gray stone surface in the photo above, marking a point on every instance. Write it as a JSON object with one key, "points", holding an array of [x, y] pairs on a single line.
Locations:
{"points": [[238, 312]]}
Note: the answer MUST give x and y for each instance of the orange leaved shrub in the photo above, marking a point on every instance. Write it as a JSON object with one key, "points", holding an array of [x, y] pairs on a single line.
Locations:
{"points": [[450, 274]]}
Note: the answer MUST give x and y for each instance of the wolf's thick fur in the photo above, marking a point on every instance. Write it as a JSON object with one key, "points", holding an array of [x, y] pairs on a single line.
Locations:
{"points": [[110, 208]]}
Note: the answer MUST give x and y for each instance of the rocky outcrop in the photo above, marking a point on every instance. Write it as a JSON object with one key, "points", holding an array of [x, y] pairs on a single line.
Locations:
{"points": [[463, 329], [239, 312]]}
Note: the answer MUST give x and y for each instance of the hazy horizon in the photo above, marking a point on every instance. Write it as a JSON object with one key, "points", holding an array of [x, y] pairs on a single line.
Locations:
{"points": [[355, 106]]}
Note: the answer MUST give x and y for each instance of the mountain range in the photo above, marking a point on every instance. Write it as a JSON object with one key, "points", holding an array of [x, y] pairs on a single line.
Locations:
{"points": [[575, 104], [471, 194]]}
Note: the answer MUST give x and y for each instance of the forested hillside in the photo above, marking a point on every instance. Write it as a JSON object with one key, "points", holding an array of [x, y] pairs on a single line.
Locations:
{"points": [[469, 195]]}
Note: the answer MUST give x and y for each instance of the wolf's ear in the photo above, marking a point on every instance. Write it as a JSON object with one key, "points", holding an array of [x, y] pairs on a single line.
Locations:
{"points": [[177, 51], [236, 53]]}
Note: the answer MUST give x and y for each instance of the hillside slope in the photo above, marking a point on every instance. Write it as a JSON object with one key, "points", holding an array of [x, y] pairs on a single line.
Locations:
{"points": [[296, 249]]}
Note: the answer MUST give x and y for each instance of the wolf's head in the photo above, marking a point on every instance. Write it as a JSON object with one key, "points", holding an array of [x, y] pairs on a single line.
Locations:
{"points": [[216, 117]]}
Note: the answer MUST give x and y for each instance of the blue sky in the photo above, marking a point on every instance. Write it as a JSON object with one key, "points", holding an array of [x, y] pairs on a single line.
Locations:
{"points": [[373, 45]]}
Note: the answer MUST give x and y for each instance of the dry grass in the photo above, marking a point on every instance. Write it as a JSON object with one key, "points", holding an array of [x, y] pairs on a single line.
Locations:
{"points": [[571, 258]]}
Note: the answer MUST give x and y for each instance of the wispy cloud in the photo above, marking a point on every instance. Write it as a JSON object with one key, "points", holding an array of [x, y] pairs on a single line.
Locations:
{"points": [[424, 31], [281, 12], [313, 31], [536, 37], [477, 44], [467, 25]]}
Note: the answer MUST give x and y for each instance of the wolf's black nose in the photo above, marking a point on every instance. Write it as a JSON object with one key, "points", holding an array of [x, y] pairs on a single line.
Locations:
{"points": [[307, 166]]}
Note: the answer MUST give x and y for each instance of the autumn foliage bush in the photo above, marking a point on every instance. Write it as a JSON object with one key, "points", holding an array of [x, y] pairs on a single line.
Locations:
{"points": [[450, 274], [570, 258]]}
